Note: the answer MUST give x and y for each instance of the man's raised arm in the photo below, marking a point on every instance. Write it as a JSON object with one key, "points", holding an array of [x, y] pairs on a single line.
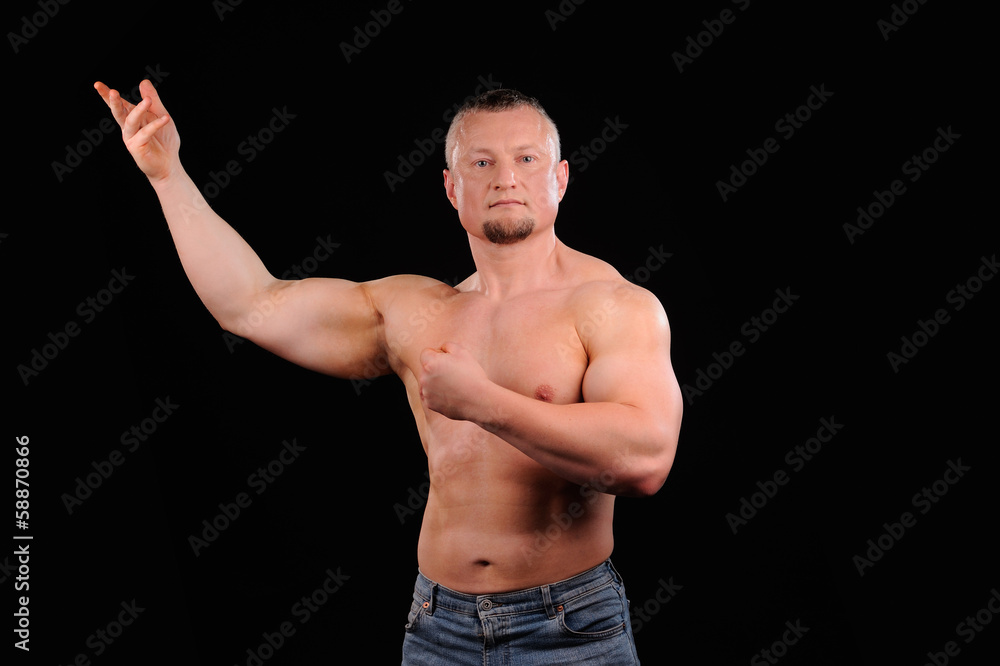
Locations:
{"points": [[327, 325]]}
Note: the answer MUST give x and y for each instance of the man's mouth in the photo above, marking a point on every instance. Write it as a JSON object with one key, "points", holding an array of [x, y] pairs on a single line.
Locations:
{"points": [[506, 202]]}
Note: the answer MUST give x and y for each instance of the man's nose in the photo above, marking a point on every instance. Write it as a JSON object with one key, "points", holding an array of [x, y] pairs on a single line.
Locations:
{"points": [[504, 178]]}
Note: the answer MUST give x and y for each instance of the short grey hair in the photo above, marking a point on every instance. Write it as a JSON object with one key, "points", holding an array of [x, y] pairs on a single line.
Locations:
{"points": [[495, 101]]}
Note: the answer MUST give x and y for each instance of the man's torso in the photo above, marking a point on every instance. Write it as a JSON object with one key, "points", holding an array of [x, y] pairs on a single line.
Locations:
{"points": [[496, 520]]}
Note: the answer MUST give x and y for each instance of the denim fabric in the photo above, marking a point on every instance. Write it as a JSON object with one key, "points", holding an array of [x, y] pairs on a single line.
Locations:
{"points": [[581, 620]]}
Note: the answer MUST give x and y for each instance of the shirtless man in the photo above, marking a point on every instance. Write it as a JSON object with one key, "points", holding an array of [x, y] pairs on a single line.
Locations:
{"points": [[541, 386]]}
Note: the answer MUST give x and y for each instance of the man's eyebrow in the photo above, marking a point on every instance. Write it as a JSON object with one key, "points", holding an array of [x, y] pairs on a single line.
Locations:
{"points": [[516, 149]]}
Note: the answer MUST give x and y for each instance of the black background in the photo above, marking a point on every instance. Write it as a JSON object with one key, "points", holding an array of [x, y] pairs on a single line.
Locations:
{"points": [[654, 186]]}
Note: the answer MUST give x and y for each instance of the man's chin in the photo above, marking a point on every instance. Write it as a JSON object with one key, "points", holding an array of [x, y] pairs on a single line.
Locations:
{"points": [[508, 231]]}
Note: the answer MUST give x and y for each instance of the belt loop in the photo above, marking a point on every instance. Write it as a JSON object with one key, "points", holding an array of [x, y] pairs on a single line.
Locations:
{"points": [[547, 601], [430, 601], [614, 572]]}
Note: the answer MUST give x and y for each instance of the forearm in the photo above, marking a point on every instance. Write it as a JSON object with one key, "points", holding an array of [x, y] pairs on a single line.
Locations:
{"points": [[224, 270], [617, 448]]}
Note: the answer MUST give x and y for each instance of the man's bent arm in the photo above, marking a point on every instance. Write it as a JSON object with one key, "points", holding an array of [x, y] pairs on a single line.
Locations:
{"points": [[615, 448], [621, 440]]}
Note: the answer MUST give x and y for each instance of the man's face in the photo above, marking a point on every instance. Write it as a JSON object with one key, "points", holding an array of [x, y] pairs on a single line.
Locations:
{"points": [[504, 179]]}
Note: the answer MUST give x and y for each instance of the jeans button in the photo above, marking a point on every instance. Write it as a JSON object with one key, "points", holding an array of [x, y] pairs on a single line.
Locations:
{"points": [[486, 604]]}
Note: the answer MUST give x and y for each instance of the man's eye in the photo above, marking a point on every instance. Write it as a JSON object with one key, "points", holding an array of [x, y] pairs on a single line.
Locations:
{"points": [[527, 159], [481, 163]]}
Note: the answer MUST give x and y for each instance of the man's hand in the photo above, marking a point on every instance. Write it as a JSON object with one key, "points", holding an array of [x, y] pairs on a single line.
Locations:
{"points": [[452, 383], [147, 130]]}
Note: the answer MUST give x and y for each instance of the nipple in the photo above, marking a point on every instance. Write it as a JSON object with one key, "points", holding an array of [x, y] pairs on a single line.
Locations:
{"points": [[545, 393]]}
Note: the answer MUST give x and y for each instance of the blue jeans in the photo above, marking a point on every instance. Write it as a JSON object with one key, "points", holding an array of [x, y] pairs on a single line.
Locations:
{"points": [[581, 620]]}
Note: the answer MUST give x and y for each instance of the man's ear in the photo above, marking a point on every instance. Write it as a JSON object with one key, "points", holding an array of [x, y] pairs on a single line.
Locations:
{"points": [[562, 178], [449, 189]]}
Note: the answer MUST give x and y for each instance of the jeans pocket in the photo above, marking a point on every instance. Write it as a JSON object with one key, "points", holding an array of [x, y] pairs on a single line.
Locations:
{"points": [[593, 616]]}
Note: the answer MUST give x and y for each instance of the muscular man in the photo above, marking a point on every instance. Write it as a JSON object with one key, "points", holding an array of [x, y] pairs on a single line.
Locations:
{"points": [[541, 386]]}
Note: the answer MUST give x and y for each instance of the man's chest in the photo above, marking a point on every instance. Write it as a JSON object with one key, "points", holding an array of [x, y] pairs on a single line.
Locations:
{"points": [[530, 346]]}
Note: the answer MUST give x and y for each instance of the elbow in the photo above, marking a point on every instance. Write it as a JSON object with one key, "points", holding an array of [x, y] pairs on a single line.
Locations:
{"points": [[231, 324], [650, 471], [649, 483], [244, 317], [247, 312], [653, 468], [648, 474], [648, 459]]}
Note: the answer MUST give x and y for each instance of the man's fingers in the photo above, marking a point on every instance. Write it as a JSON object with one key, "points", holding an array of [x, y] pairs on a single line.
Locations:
{"points": [[427, 355], [147, 91], [134, 119], [103, 91], [120, 107], [145, 135], [113, 101]]}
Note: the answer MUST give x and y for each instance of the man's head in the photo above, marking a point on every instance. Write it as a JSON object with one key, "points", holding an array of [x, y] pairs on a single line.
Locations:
{"points": [[505, 175]]}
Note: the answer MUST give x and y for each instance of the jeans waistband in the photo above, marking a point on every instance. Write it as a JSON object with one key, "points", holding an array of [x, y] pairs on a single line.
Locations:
{"points": [[543, 598]]}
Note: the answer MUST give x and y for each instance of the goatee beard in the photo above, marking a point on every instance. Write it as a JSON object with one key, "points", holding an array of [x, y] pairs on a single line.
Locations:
{"points": [[507, 231]]}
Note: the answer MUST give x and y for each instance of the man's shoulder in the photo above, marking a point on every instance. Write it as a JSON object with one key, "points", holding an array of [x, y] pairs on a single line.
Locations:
{"points": [[599, 286], [620, 300], [406, 289], [612, 313], [408, 282]]}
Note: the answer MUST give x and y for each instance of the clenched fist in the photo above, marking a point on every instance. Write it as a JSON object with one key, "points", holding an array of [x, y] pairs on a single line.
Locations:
{"points": [[452, 382]]}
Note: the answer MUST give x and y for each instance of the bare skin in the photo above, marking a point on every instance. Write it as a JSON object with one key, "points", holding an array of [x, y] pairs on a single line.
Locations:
{"points": [[541, 386]]}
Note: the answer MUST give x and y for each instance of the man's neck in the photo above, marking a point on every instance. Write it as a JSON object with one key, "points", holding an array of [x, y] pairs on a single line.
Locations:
{"points": [[506, 271]]}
